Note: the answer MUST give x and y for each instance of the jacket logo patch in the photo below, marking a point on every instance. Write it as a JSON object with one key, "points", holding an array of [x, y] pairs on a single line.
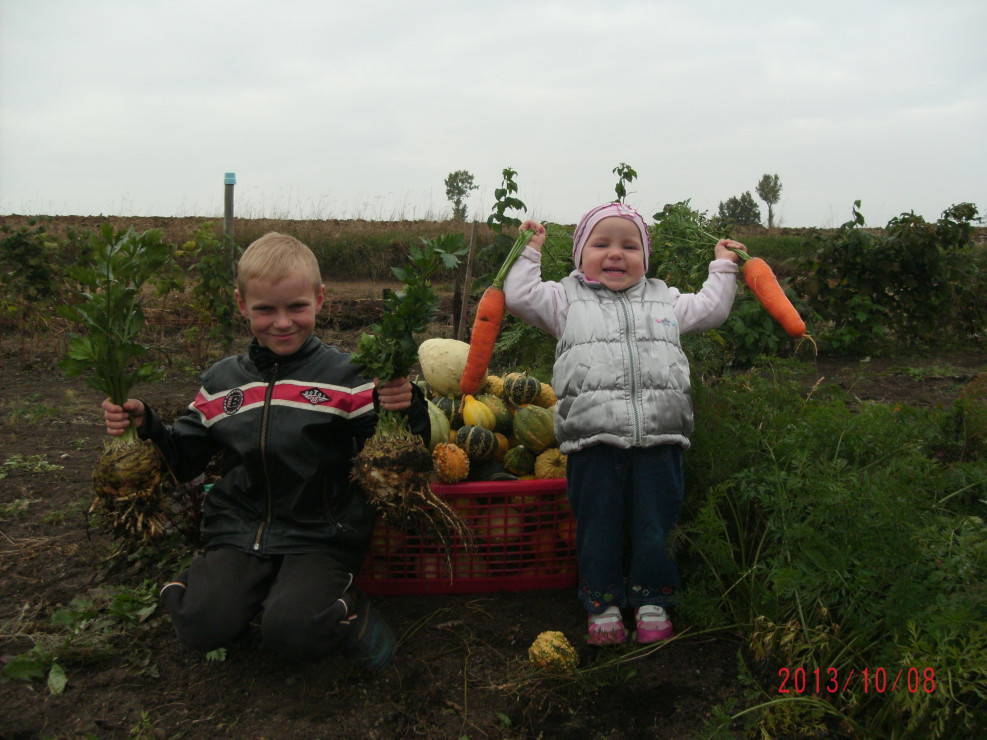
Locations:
{"points": [[233, 401], [314, 396]]}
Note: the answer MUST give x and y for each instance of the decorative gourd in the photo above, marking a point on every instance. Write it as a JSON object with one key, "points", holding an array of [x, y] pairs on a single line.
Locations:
{"points": [[505, 416], [494, 386], [503, 445], [534, 427], [546, 397], [452, 408], [480, 444], [478, 414], [451, 462], [553, 652], [550, 464], [442, 362], [519, 460], [521, 388], [440, 425]]}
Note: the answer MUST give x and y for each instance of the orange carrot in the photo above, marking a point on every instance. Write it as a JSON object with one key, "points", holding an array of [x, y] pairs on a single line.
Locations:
{"points": [[486, 323], [486, 328], [763, 283]]}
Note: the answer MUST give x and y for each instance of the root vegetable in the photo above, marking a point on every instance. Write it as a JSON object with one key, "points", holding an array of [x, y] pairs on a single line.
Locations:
{"points": [[486, 323], [126, 491], [395, 466]]}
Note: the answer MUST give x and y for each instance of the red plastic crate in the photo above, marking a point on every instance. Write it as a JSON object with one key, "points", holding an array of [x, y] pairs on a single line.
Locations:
{"points": [[524, 536]]}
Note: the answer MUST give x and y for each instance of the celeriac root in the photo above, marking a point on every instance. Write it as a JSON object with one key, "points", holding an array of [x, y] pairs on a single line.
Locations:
{"points": [[395, 472]]}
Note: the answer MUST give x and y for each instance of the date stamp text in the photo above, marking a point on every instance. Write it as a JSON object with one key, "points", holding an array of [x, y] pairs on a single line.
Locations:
{"points": [[874, 680]]}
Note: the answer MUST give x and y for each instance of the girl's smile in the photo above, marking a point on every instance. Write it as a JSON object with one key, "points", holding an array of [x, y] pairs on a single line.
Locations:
{"points": [[614, 254]]}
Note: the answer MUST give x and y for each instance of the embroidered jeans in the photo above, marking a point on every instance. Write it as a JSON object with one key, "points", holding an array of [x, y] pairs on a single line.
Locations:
{"points": [[625, 496]]}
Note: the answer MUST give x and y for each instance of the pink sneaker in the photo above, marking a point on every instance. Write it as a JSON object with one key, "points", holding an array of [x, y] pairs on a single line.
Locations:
{"points": [[607, 628], [653, 625]]}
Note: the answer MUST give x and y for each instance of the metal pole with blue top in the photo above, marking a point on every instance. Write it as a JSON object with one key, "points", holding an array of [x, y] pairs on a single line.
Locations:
{"points": [[230, 181]]}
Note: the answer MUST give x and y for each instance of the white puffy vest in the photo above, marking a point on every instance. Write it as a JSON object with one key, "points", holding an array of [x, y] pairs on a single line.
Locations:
{"points": [[620, 374]]}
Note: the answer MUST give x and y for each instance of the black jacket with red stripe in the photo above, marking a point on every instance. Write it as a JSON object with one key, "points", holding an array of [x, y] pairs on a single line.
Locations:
{"points": [[288, 428]]}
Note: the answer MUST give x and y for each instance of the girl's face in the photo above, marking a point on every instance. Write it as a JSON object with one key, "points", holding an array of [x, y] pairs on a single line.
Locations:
{"points": [[613, 254], [281, 314]]}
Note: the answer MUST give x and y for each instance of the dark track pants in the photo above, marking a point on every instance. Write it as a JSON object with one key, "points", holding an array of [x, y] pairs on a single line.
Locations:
{"points": [[300, 599]]}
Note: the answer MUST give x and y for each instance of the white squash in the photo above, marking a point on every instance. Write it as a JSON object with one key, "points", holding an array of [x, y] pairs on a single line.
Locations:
{"points": [[442, 362], [439, 423]]}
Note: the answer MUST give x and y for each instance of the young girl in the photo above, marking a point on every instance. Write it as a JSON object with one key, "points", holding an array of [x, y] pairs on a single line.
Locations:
{"points": [[624, 412]]}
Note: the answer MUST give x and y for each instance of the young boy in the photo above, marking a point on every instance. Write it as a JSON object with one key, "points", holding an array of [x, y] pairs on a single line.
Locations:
{"points": [[284, 529]]}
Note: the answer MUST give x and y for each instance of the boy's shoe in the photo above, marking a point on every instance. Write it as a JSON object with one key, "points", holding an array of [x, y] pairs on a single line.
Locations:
{"points": [[653, 625], [369, 642], [607, 628]]}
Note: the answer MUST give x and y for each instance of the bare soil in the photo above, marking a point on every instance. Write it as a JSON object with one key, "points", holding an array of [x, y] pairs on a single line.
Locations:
{"points": [[461, 669]]}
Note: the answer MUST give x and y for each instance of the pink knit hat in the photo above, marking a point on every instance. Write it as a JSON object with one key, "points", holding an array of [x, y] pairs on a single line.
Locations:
{"points": [[588, 222]]}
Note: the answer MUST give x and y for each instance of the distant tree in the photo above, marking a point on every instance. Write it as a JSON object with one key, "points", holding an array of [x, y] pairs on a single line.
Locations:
{"points": [[625, 174], [742, 211], [769, 190], [458, 187]]}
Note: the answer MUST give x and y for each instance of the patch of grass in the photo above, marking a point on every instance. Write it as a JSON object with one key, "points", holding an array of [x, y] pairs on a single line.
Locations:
{"points": [[31, 410], [27, 464], [16, 508], [90, 628], [836, 535]]}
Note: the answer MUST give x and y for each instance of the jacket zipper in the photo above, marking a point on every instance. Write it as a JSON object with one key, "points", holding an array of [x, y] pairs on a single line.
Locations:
{"points": [[263, 455], [632, 365]]}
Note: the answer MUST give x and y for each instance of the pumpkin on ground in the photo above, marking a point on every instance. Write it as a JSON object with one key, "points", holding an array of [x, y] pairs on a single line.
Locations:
{"points": [[553, 652], [534, 427]]}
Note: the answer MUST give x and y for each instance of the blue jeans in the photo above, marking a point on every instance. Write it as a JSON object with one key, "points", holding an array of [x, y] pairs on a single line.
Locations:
{"points": [[616, 493]]}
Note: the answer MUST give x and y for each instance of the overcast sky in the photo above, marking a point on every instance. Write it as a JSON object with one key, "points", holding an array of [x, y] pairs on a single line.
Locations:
{"points": [[361, 109]]}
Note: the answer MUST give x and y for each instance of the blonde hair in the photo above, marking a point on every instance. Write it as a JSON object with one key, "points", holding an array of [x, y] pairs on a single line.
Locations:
{"points": [[274, 257]]}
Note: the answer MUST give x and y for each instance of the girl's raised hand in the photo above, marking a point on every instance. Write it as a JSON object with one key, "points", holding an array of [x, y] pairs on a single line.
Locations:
{"points": [[537, 241], [724, 250]]}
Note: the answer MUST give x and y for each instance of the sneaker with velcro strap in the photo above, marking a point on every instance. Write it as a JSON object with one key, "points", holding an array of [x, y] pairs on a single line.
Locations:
{"points": [[369, 642]]}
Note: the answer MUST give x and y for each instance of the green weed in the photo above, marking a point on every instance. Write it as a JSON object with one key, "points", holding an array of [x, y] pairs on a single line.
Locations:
{"points": [[835, 536], [27, 464], [90, 628]]}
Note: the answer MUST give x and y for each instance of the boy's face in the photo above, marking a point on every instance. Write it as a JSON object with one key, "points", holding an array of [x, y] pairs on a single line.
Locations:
{"points": [[281, 314], [613, 254]]}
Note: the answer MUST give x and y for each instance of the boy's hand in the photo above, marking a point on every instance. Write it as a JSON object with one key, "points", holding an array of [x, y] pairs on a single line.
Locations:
{"points": [[724, 250], [118, 418], [537, 241], [395, 394]]}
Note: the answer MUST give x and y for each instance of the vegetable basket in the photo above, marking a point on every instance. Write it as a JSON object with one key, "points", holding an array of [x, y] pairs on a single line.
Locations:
{"points": [[524, 539]]}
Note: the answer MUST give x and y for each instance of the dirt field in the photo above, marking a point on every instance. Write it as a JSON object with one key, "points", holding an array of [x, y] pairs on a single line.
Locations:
{"points": [[461, 668]]}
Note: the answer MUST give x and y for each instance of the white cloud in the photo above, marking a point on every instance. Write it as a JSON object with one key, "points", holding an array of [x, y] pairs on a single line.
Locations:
{"points": [[361, 109]]}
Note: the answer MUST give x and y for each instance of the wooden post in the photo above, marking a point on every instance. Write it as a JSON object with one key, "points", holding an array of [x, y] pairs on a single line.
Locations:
{"points": [[465, 306]]}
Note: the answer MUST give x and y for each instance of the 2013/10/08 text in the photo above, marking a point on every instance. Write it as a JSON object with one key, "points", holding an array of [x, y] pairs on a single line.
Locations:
{"points": [[877, 680]]}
